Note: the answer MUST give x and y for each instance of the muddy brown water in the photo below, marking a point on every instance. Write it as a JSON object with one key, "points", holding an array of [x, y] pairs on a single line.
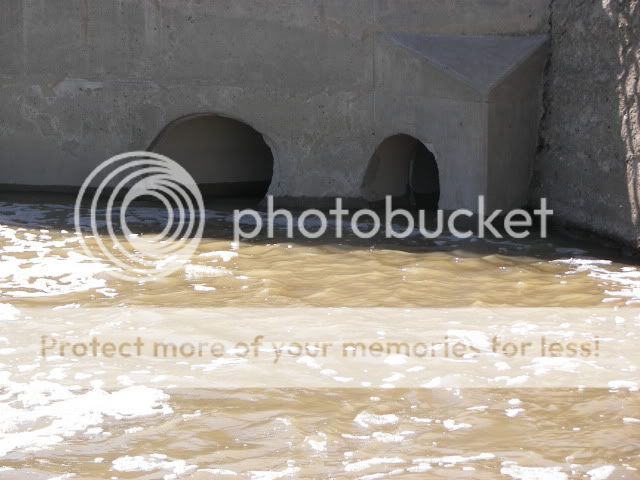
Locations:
{"points": [[49, 429]]}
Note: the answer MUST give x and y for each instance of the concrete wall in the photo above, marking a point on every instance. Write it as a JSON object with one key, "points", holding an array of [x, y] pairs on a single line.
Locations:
{"points": [[82, 80], [513, 131], [86, 79], [588, 164]]}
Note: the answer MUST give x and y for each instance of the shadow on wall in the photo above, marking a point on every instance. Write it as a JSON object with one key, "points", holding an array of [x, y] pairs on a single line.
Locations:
{"points": [[406, 169], [226, 157]]}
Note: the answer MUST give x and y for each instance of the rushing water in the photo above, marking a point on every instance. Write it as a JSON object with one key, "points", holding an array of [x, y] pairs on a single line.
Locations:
{"points": [[49, 427]]}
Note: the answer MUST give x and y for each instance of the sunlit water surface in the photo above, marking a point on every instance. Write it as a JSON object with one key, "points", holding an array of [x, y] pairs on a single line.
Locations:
{"points": [[149, 431]]}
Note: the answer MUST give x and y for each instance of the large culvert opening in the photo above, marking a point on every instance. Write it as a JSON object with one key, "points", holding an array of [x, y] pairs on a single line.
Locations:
{"points": [[227, 158], [403, 167]]}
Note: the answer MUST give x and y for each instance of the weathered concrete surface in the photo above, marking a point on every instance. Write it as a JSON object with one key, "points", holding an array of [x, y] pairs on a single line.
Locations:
{"points": [[589, 161], [83, 80]]}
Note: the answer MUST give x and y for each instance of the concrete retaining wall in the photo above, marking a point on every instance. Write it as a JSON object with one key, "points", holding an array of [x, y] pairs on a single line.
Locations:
{"points": [[588, 164], [83, 80]]}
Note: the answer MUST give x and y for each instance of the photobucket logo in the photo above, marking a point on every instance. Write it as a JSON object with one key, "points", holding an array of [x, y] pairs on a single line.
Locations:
{"points": [[366, 223], [112, 187]]}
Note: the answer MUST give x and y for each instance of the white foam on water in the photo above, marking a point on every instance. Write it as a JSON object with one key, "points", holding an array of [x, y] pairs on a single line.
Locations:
{"points": [[623, 384], [318, 442], [624, 283], [223, 255], [582, 261], [371, 462], [376, 476], [44, 273], [394, 377], [49, 274], [67, 306], [452, 425], [513, 412], [365, 419], [218, 471], [8, 312], [478, 408], [433, 383], [420, 468], [533, 473], [396, 359], [349, 436], [194, 271], [455, 459], [309, 362], [422, 420], [273, 475], [219, 363], [601, 473], [544, 365], [384, 437], [473, 338], [41, 414], [199, 287], [152, 463]]}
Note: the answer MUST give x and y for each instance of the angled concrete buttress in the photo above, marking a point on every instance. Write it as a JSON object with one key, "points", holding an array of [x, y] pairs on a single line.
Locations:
{"points": [[474, 101]]}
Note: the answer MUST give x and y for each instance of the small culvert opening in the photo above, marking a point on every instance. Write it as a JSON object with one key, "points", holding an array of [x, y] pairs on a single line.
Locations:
{"points": [[403, 167], [226, 157]]}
